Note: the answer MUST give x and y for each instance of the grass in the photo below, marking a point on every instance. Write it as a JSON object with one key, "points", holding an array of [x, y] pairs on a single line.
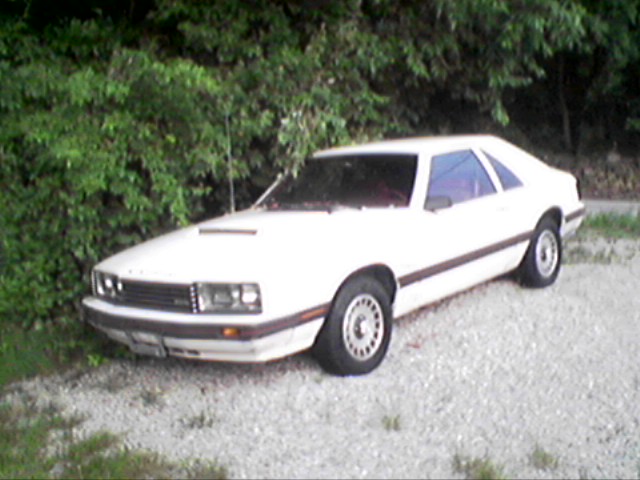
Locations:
{"points": [[543, 460], [39, 443], [198, 422], [152, 398], [23, 354], [114, 384], [477, 468], [578, 253], [49, 347], [609, 227], [391, 423], [613, 225]]}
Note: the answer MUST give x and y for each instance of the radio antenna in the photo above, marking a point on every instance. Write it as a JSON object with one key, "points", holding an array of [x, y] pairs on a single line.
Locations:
{"points": [[232, 195]]}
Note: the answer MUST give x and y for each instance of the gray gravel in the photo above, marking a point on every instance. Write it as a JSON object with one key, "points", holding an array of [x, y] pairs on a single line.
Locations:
{"points": [[493, 373]]}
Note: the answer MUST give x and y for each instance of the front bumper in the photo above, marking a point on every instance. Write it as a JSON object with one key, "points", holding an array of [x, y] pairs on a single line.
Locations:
{"points": [[203, 337]]}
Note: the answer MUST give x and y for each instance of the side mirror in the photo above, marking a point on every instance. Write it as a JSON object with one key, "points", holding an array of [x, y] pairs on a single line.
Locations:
{"points": [[437, 203]]}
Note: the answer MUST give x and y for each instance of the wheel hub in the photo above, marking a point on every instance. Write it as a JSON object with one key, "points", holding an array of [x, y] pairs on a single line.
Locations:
{"points": [[547, 253], [363, 327]]}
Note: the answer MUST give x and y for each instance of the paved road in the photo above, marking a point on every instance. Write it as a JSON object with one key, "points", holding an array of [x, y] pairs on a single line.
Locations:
{"points": [[613, 206]]}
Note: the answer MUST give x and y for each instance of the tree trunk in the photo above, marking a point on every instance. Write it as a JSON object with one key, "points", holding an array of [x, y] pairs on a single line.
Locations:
{"points": [[564, 109]]}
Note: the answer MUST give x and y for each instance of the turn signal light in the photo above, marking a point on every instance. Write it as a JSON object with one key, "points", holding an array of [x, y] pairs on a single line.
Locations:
{"points": [[230, 332]]}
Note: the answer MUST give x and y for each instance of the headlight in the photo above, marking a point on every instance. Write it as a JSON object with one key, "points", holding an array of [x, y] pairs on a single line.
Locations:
{"points": [[105, 285], [229, 297]]}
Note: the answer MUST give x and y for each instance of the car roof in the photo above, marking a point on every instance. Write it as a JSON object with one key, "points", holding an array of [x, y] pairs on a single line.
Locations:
{"points": [[413, 145]]}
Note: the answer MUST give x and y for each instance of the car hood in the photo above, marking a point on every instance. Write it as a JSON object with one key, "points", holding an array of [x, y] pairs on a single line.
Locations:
{"points": [[248, 245]]}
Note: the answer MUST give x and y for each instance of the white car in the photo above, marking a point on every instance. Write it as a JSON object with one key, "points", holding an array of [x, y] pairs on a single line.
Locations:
{"points": [[327, 258]]}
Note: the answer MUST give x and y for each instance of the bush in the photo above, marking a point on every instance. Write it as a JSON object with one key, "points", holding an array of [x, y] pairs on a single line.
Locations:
{"points": [[103, 144], [95, 156]]}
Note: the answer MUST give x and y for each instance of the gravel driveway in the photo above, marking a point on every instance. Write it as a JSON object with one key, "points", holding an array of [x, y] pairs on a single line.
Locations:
{"points": [[493, 373]]}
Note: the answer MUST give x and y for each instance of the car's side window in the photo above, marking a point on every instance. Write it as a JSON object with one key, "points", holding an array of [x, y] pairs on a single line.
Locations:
{"points": [[508, 179], [458, 176]]}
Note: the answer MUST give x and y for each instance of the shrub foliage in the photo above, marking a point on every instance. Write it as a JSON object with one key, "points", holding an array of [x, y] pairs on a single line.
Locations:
{"points": [[123, 119]]}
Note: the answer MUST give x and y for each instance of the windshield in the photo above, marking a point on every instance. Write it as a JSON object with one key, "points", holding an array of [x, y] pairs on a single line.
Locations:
{"points": [[350, 181]]}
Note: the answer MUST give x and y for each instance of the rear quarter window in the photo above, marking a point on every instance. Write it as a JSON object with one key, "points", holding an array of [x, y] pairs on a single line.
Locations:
{"points": [[508, 179]]}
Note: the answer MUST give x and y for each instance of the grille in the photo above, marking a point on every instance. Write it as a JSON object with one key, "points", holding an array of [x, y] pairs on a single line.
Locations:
{"points": [[160, 296]]}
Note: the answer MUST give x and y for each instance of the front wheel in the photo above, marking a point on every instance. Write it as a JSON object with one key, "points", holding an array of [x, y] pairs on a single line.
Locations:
{"points": [[355, 336], [541, 264]]}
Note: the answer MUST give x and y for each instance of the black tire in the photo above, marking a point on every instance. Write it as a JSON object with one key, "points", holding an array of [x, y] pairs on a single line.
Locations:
{"points": [[355, 336], [541, 264]]}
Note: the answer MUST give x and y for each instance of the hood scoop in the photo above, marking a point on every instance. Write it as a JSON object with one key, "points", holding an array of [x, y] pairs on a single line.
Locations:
{"points": [[225, 231]]}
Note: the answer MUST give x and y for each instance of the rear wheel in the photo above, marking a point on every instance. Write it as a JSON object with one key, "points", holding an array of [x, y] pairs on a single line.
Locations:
{"points": [[541, 264], [355, 336]]}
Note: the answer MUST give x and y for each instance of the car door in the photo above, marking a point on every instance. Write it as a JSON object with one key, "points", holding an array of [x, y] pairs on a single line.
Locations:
{"points": [[467, 232], [517, 206]]}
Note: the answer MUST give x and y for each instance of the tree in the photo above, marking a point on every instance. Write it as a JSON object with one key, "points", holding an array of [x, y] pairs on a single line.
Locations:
{"points": [[123, 119]]}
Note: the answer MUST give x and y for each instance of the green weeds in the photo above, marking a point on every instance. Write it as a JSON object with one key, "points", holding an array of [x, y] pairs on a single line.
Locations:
{"points": [[199, 421], [580, 253], [152, 397], [37, 442], [477, 468], [40, 443], [543, 460], [614, 225], [391, 423], [46, 348], [24, 354], [597, 241]]}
